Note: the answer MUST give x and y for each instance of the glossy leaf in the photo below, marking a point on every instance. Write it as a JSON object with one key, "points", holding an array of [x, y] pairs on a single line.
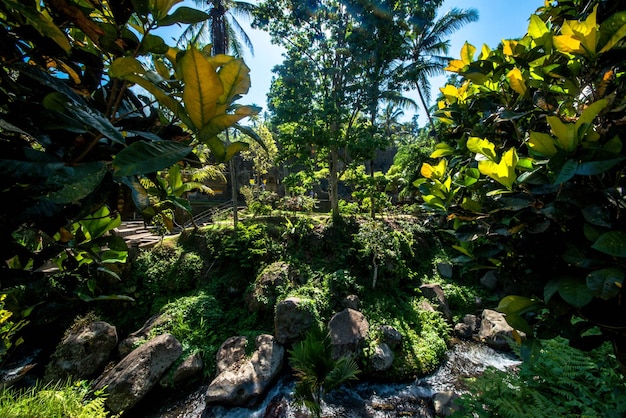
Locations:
{"points": [[516, 81], [148, 157], [87, 115], [611, 243], [77, 182], [203, 87], [566, 133], [482, 146], [99, 223], [566, 172], [235, 79], [442, 150], [575, 292], [42, 22], [434, 172], [542, 144], [606, 283], [502, 172], [226, 120], [185, 15], [593, 168]]}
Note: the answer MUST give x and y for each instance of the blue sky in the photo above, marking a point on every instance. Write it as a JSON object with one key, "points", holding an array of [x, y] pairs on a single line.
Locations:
{"points": [[499, 19]]}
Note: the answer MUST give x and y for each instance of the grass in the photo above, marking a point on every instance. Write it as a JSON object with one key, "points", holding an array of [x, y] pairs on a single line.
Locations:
{"points": [[67, 399]]}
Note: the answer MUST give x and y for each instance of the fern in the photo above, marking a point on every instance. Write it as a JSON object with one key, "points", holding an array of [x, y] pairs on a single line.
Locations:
{"points": [[562, 381]]}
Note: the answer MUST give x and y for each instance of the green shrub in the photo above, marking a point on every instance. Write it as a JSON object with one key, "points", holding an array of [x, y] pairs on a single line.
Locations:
{"points": [[561, 382], [69, 400]]}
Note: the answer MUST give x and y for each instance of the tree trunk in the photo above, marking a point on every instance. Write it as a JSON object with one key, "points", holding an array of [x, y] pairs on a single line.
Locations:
{"points": [[233, 192], [372, 191], [375, 273], [334, 183], [430, 119]]}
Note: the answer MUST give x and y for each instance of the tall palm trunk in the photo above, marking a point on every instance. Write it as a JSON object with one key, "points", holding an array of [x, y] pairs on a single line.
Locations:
{"points": [[430, 119]]}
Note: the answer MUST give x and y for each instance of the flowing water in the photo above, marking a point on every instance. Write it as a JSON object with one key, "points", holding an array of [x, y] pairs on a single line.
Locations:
{"points": [[366, 399]]}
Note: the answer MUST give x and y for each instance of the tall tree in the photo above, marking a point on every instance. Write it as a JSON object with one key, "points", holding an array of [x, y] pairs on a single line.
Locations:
{"points": [[222, 28], [427, 47], [347, 48]]}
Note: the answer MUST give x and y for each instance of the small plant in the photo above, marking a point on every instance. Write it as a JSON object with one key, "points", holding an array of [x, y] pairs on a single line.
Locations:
{"points": [[61, 400], [317, 372], [8, 330]]}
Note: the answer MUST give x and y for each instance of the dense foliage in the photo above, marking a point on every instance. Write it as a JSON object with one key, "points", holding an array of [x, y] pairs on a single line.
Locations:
{"points": [[562, 382], [530, 173], [94, 105]]}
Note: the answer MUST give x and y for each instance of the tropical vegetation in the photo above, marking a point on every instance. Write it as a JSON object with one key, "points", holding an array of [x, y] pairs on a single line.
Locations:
{"points": [[519, 176]]}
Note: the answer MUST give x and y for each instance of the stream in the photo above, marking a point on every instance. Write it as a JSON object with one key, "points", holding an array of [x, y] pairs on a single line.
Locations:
{"points": [[364, 399]]}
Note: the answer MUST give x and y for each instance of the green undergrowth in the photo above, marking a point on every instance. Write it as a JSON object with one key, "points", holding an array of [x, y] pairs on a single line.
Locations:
{"points": [[201, 282], [562, 381], [68, 400], [424, 334]]}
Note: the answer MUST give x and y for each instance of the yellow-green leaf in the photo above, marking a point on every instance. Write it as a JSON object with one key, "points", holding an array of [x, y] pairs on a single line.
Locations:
{"points": [[202, 88], [442, 150], [542, 143], [160, 8], [590, 113], [615, 38], [225, 120], [434, 172], [467, 53], [235, 79], [503, 172], [537, 27], [516, 81], [566, 133], [124, 66], [482, 146]]}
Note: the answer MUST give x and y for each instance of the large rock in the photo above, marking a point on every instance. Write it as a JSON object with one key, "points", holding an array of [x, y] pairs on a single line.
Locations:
{"points": [[292, 319], [390, 336], [495, 331], [468, 327], [232, 351], [188, 369], [382, 359], [243, 382], [263, 295], [348, 330], [129, 344], [130, 380], [434, 293], [444, 405], [82, 352]]}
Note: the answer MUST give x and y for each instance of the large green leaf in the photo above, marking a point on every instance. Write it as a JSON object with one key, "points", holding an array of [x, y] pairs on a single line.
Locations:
{"points": [[76, 182], [185, 15], [592, 168], [41, 21], [138, 192], [235, 78], [154, 44], [87, 115], [226, 120], [575, 292], [611, 243], [566, 172], [606, 283], [99, 223], [147, 157], [483, 147], [202, 88]]}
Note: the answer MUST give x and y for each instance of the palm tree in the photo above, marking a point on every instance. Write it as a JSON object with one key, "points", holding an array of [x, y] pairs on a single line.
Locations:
{"points": [[428, 48], [222, 29]]}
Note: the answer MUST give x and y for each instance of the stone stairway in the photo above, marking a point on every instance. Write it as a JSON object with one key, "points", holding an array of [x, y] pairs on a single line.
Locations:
{"points": [[136, 234]]}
